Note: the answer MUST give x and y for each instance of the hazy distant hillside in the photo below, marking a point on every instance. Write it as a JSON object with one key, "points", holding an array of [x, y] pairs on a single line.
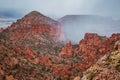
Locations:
{"points": [[74, 26]]}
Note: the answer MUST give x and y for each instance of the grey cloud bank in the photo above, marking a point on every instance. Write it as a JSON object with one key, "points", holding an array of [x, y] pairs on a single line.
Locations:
{"points": [[64, 7], [59, 8]]}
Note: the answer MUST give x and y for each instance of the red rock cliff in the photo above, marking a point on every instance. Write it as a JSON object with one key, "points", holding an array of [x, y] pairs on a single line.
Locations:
{"points": [[34, 22], [92, 46], [67, 50]]}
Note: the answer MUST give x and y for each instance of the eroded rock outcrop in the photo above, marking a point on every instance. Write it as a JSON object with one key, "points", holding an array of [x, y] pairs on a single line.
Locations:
{"points": [[34, 24], [92, 45], [90, 49], [35, 31], [29, 51], [117, 45], [95, 44], [67, 50], [106, 68]]}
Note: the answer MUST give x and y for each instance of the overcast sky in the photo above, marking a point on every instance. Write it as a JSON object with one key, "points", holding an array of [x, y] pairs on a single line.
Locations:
{"points": [[63, 7]]}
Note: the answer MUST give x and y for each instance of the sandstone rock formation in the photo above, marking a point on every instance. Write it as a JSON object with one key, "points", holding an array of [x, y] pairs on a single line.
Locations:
{"points": [[67, 50], [117, 45], [106, 68], [35, 31], [67, 65], [29, 51], [92, 45], [36, 24], [90, 49]]}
